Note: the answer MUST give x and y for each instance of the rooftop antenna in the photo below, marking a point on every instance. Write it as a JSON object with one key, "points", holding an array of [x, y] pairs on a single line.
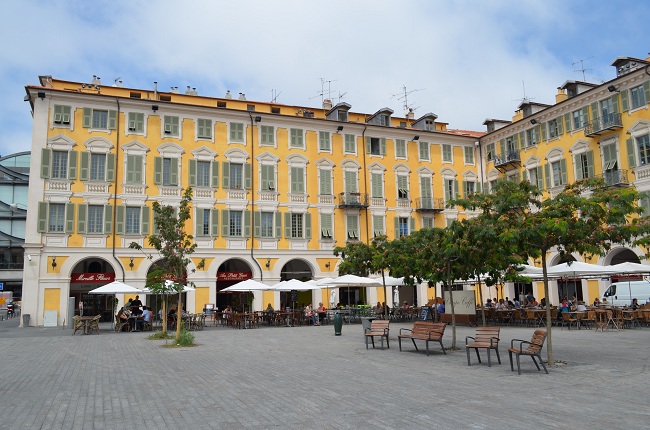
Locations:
{"points": [[274, 95], [340, 97], [582, 67], [525, 98], [403, 96], [322, 93]]}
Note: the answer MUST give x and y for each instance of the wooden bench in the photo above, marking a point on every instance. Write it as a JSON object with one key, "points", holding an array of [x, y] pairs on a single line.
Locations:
{"points": [[485, 338], [428, 331], [533, 350], [378, 328]]}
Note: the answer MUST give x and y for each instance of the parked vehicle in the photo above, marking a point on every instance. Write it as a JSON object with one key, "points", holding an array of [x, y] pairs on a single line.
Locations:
{"points": [[622, 293]]}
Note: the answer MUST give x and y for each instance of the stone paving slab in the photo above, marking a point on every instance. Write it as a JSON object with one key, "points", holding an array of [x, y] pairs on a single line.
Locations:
{"points": [[307, 378]]}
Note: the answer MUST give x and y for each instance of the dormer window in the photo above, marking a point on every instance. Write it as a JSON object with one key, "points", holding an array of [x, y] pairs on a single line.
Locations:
{"points": [[381, 117], [339, 112]]}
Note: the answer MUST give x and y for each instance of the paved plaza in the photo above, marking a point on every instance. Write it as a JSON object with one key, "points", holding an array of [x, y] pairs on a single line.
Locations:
{"points": [[307, 378]]}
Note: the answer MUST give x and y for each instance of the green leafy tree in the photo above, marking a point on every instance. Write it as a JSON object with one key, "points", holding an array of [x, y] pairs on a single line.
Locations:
{"points": [[175, 247]]}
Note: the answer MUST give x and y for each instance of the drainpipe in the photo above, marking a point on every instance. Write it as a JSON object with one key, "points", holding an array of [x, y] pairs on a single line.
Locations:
{"points": [[477, 144], [252, 232], [365, 177], [117, 153]]}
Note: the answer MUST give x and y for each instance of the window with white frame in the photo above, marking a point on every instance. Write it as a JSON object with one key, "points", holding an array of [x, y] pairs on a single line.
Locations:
{"points": [[165, 171], [203, 173], [447, 154], [326, 226], [266, 224], [95, 219], [203, 222], [325, 182], [451, 189], [171, 126], [267, 182], [400, 148], [59, 168], [132, 220], [297, 185], [638, 96], [134, 169], [424, 151], [402, 226], [236, 176], [236, 132], [297, 225], [469, 154], [204, 128], [235, 223], [643, 143], [324, 141], [427, 222], [377, 185], [402, 187], [580, 117], [267, 135], [350, 145], [136, 122], [584, 164], [532, 136], [490, 151], [296, 138], [610, 156], [97, 167], [378, 225], [559, 173], [469, 187], [375, 145], [426, 192], [99, 119], [56, 218]]}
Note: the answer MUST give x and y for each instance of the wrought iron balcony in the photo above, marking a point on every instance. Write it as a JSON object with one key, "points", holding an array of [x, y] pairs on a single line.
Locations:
{"points": [[509, 160], [429, 204], [615, 178], [353, 200], [603, 124]]}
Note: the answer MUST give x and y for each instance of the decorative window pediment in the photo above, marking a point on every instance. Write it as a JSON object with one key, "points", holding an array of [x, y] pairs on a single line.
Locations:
{"points": [[448, 172], [61, 142], [171, 150], [580, 146], [204, 153], [236, 155], [402, 168], [325, 162], [135, 147], [639, 128], [268, 158], [350, 165], [554, 154]]}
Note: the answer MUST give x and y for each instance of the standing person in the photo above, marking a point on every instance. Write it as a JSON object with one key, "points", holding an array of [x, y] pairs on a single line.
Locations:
{"points": [[81, 308], [136, 305]]}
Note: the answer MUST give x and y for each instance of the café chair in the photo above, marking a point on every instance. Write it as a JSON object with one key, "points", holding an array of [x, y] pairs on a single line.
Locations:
{"points": [[533, 349]]}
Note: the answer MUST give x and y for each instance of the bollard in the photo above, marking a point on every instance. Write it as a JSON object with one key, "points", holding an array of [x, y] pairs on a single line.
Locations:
{"points": [[25, 320], [338, 324]]}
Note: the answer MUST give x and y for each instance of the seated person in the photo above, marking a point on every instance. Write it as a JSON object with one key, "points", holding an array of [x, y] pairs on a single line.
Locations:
{"points": [[596, 301], [309, 312], [635, 304], [147, 315], [405, 305], [581, 307], [269, 309], [488, 303], [322, 312], [122, 316], [441, 308]]}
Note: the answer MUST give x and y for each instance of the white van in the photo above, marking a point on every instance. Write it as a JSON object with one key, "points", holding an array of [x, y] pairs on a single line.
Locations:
{"points": [[622, 293]]}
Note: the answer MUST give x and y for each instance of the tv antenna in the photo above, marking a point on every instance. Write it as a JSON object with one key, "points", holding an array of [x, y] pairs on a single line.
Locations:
{"points": [[525, 98], [582, 67], [341, 97], [323, 91], [403, 96], [274, 95]]}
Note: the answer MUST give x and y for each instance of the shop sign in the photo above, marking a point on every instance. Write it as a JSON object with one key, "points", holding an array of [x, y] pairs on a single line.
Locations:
{"points": [[90, 278], [233, 276]]}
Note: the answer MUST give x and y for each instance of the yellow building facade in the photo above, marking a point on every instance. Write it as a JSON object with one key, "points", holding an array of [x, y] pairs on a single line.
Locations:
{"points": [[590, 131], [276, 188]]}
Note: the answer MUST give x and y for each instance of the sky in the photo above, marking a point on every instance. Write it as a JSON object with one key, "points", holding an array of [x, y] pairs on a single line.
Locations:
{"points": [[464, 61]]}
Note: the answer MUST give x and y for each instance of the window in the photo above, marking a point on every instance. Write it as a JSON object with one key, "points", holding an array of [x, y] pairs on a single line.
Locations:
{"points": [[426, 193], [268, 177], [643, 143], [296, 225], [376, 185], [235, 176], [469, 187], [424, 150], [402, 227], [62, 114], [134, 168], [266, 224], [296, 139], [325, 182], [100, 119], [375, 145], [326, 226], [446, 153], [59, 165], [351, 182], [95, 219], [579, 118], [267, 135], [342, 115], [400, 148], [638, 97], [553, 130], [469, 155], [610, 157], [558, 170], [236, 132], [350, 144], [132, 223], [56, 218], [584, 165], [202, 173], [532, 136], [204, 221], [297, 180], [235, 223], [204, 128], [451, 189], [402, 187], [534, 177], [171, 126], [489, 151], [352, 222], [324, 142], [427, 222], [136, 122], [97, 167], [378, 228], [165, 171]]}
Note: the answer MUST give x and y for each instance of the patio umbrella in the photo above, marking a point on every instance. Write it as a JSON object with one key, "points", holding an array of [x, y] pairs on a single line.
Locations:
{"points": [[578, 269], [114, 288], [627, 268], [295, 284], [247, 286], [353, 281]]}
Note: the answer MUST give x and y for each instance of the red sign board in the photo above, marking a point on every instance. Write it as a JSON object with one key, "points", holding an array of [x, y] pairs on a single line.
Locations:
{"points": [[233, 276], [90, 278]]}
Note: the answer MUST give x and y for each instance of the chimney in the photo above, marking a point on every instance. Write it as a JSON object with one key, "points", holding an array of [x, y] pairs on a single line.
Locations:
{"points": [[327, 104], [242, 96], [410, 115], [188, 91], [561, 96], [228, 95], [155, 90]]}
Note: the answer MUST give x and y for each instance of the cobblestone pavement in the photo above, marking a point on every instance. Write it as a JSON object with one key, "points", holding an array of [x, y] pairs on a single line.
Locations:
{"points": [[307, 378]]}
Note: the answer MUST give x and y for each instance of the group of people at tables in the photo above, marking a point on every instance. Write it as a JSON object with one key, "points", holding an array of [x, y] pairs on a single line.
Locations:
{"points": [[134, 313]]}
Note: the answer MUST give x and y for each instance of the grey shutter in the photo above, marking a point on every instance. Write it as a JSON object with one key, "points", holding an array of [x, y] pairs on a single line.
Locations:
{"points": [[257, 224], [594, 111], [87, 118], [247, 223], [225, 223], [522, 139], [278, 225], [130, 168], [145, 220], [590, 164], [225, 174], [614, 99], [625, 104], [541, 131], [84, 171], [287, 225], [42, 217], [447, 196], [563, 172], [396, 223], [198, 222], [646, 90], [350, 182], [412, 225], [191, 173], [173, 172], [82, 218], [157, 170], [585, 116], [119, 221], [375, 182], [567, 122], [108, 219], [325, 182], [383, 146], [110, 167], [576, 162], [307, 225], [465, 188], [112, 120], [214, 222], [502, 148], [72, 165], [560, 127], [247, 176], [368, 145], [215, 173], [547, 176], [69, 217], [46, 157], [631, 153], [455, 188], [540, 178]]}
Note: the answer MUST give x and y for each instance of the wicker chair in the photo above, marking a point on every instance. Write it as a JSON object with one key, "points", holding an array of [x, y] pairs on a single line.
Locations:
{"points": [[78, 324], [94, 324]]}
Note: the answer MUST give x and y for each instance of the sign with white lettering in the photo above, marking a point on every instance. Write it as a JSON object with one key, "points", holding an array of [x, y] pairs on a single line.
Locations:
{"points": [[90, 278], [233, 276], [464, 302]]}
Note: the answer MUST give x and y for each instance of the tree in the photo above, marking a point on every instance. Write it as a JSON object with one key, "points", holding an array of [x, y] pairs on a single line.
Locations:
{"points": [[175, 246]]}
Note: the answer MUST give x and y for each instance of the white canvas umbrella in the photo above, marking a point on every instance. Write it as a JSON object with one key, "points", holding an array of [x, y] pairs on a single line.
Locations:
{"points": [[114, 288], [247, 286], [353, 281], [578, 268], [295, 284], [393, 282], [627, 268]]}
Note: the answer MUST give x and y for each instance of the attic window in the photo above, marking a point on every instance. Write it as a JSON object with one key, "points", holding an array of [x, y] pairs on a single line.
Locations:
{"points": [[343, 116], [250, 108], [135, 95], [275, 109], [164, 98], [221, 104]]}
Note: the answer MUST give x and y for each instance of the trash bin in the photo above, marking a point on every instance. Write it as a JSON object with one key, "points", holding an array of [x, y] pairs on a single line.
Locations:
{"points": [[365, 324], [338, 324], [25, 320]]}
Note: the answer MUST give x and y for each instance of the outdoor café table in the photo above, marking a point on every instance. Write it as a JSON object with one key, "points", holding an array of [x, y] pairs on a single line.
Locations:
{"points": [[86, 320], [602, 319]]}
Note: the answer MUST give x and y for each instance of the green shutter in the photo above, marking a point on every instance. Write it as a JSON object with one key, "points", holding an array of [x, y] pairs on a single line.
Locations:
{"points": [[247, 176], [594, 111], [69, 217], [646, 90], [157, 170], [576, 162], [145, 220], [112, 120], [396, 225], [563, 172], [215, 173], [307, 225], [456, 194], [585, 116], [191, 173], [287, 225], [225, 174], [502, 147], [46, 157], [297, 180], [522, 139], [590, 164], [257, 224], [614, 99], [350, 182], [383, 146], [214, 222], [247, 223], [87, 118], [412, 225], [375, 184], [198, 222], [567, 122], [119, 221], [130, 168], [225, 223], [560, 127], [72, 165], [368, 145], [110, 167], [108, 219], [447, 196], [82, 217], [547, 176], [325, 179], [173, 172], [278, 225], [84, 171], [625, 104], [631, 153], [42, 217]]}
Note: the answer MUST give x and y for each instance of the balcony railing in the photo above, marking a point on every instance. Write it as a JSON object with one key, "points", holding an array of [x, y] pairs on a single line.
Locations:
{"points": [[509, 159], [600, 125], [359, 200], [425, 204], [614, 178]]}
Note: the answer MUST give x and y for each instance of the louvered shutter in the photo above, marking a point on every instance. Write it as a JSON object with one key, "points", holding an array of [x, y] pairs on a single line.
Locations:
{"points": [[578, 164], [82, 218], [225, 174], [247, 176], [110, 167], [278, 225], [567, 122], [247, 223], [173, 171], [307, 225], [412, 225], [112, 120], [590, 164], [72, 165], [46, 160], [69, 217], [42, 217], [119, 221], [225, 223], [215, 174], [198, 222], [145, 220], [631, 153], [375, 182], [350, 182], [214, 222], [287, 225], [625, 103], [594, 111], [547, 176], [157, 170], [108, 219], [84, 171], [325, 179], [382, 144], [87, 118], [257, 224], [191, 173], [396, 225], [563, 172], [560, 127]]}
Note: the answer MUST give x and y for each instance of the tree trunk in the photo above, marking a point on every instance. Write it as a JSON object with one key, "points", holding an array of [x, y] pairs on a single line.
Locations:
{"points": [[549, 321], [163, 317], [179, 316], [480, 297], [453, 316]]}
